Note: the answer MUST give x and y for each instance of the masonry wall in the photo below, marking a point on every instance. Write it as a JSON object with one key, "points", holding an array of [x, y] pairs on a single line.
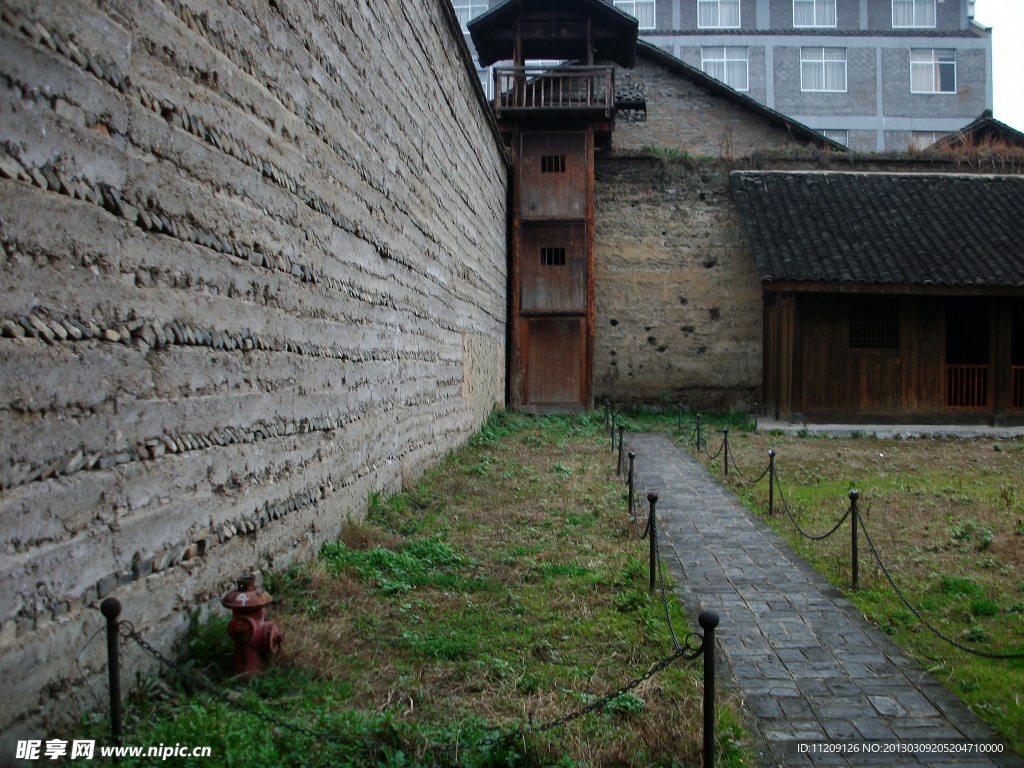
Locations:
{"points": [[684, 117], [678, 302], [253, 267]]}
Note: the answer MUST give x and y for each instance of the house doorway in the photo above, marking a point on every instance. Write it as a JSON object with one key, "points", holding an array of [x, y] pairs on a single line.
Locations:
{"points": [[968, 353], [1017, 355]]}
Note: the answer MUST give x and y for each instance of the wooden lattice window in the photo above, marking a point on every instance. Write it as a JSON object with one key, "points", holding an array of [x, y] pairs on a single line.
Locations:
{"points": [[874, 323], [552, 163], [552, 257]]}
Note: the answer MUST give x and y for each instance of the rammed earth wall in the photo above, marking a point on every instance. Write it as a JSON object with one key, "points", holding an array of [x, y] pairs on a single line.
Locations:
{"points": [[677, 292], [253, 268]]}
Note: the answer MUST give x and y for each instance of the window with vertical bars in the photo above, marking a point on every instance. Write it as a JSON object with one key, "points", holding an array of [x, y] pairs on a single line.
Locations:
{"points": [[552, 163], [874, 323], [552, 257]]}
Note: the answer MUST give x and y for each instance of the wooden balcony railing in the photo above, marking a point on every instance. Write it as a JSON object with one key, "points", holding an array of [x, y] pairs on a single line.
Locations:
{"points": [[1017, 387], [967, 386], [554, 88]]}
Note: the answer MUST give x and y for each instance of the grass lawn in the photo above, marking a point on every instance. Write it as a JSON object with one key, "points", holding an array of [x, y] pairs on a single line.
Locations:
{"points": [[507, 589], [947, 519]]}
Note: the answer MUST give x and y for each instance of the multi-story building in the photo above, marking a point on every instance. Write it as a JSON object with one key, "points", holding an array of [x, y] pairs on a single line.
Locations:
{"points": [[872, 74]]}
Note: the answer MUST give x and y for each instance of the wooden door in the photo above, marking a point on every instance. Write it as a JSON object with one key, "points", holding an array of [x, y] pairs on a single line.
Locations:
{"points": [[555, 362]]}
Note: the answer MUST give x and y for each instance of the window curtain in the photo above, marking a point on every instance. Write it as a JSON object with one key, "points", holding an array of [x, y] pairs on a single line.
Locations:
{"points": [[835, 69], [922, 76], [823, 69], [730, 12], [645, 13], [825, 11], [814, 13], [718, 13], [913, 13], [736, 68]]}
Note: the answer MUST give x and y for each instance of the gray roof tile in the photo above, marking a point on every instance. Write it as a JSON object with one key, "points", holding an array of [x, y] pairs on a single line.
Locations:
{"points": [[880, 228]]}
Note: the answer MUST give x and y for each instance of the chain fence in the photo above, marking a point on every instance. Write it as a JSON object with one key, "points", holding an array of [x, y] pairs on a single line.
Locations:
{"points": [[693, 646], [775, 484]]}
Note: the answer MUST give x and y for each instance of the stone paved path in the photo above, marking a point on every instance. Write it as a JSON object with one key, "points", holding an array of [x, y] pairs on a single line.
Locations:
{"points": [[806, 662]]}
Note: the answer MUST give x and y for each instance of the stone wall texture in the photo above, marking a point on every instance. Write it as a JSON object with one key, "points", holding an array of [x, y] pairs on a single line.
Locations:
{"points": [[678, 299], [683, 116], [253, 267]]}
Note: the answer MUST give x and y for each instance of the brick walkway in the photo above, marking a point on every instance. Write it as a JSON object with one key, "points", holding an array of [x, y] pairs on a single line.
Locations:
{"points": [[804, 660]]}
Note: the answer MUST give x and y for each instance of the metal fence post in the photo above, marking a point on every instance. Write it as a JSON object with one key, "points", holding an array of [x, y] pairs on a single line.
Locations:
{"points": [[708, 620], [771, 482], [652, 535], [679, 417], [618, 468], [631, 457], [611, 432], [756, 411], [725, 449], [854, 495], [607, 411], [111, 609], [699, 436]]}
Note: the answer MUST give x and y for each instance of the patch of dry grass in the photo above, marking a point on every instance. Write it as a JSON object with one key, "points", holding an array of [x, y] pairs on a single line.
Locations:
{"points": [[504, 591]]}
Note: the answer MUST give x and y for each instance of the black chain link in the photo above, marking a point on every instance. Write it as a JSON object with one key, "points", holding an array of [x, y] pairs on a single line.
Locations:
{"points": [[921, 618], [127, 630], [690, 649], [760, 477], [785, 506]]}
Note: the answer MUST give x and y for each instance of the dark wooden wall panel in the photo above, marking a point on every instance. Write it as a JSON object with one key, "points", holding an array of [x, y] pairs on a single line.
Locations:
{"points": [[549, 286], [559, 193]]}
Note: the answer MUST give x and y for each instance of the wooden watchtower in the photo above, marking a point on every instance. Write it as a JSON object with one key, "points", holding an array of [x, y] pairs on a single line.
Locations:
{"points": [[555, 103]]}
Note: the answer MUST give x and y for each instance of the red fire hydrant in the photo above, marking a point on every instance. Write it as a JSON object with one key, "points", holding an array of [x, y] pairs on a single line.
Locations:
{"points": [[255, 637]]}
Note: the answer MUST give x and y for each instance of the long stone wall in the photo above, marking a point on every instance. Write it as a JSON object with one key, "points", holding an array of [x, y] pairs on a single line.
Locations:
{"points": [[253, 268]]}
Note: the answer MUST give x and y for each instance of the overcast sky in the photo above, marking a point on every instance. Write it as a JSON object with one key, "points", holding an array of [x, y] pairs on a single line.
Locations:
{"points": [[1006, 17]]}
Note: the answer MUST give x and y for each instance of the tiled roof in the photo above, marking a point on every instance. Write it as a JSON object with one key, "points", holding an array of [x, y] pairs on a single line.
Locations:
{"points": [[984, 128], [880, 228]]}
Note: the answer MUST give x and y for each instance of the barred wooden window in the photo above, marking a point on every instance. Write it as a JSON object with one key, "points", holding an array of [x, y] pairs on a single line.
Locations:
{"points": [[552, 257], [552, 163], [874, 324]]}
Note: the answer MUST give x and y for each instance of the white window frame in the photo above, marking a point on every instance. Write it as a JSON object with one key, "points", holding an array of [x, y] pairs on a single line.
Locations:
{"points": [[486, 76], [726, 55], [641, 10], [817, 56], [840, 135], [716, 5], [932, 67], [917, 14], [815, 5], [924, 139], [467, 10]]}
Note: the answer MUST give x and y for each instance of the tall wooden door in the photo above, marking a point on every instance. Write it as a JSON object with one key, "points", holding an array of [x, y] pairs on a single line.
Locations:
{"points": [[554, 270]]}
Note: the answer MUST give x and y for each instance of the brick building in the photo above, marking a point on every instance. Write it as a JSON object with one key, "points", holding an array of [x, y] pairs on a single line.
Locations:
{"points": [[872, 74]]}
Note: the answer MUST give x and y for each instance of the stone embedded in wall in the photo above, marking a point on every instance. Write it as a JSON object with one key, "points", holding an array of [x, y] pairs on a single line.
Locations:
{"points": [[677, 284], [239, 296]]}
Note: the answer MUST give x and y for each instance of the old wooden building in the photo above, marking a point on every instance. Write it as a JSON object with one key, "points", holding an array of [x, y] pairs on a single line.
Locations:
{"points": [[889, 297], [554, 103]]}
